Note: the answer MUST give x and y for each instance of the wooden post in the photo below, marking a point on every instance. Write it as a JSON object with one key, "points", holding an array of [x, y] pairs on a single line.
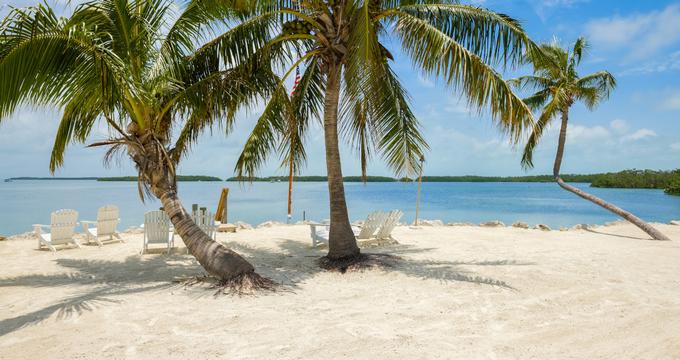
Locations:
{"points": [[420, 182], [290, 190], [221, 213]]}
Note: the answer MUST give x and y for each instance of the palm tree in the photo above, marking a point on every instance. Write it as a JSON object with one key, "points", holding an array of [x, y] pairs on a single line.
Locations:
{"points": [[122, 63], [558, 85], [343, 46]]}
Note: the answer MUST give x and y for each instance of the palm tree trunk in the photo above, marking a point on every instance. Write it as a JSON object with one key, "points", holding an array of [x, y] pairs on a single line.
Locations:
{"points": [[654, 233], [342, 243], [215, 258]]}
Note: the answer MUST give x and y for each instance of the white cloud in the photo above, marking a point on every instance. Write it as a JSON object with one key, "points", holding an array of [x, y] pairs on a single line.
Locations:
{"points": [[670, 63], [675, 146], [580, 133], [648, 33], [671, 102], [544, 8], [639, 135], [620, 126]]}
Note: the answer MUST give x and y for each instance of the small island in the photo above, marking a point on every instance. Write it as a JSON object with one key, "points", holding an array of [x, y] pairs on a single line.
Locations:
{"points": [[179, 178]]}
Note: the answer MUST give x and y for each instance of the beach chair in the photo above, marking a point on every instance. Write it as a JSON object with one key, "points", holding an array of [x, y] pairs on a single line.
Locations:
{"points": [[319, 233], [158, 230], [206, 221], [105, 226], [391, 221], [373, 222], [62, 228]]}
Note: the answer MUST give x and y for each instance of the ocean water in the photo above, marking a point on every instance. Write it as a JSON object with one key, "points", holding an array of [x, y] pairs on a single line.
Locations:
{"points": [[23, 203]]}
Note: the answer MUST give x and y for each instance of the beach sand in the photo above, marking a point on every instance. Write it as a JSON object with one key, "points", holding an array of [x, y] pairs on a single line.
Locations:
{"points": [[459, 292]]}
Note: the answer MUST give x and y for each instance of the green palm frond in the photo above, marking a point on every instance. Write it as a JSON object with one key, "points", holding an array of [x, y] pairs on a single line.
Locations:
{"points": [[440, 56], [549, 112], [558, 86], [495, 38]]}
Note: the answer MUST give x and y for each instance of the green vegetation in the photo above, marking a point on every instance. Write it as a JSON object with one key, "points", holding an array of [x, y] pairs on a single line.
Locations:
{"points": [[635, 179], [179, 178], [673, 187], [464, 178], [535, 178]]}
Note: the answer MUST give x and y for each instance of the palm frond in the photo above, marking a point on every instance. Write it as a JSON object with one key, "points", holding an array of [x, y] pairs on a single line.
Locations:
{"points": [[441, 56]]}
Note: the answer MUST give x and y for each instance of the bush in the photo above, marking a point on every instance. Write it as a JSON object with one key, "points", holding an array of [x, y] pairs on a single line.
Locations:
{"points": [[673, 187]]}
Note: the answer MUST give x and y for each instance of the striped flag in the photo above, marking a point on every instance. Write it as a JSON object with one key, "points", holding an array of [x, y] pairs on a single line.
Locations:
{"points": [[297, 80]]}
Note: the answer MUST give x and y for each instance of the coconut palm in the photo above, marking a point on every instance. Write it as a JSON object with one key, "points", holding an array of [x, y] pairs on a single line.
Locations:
{"points": [[558, 86], [343, 46], [126, 65]]}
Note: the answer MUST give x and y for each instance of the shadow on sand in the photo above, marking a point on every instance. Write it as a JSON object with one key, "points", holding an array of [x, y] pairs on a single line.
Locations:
{"points": [[293, 263], [296, 262], [617, 235], [104, 280]]}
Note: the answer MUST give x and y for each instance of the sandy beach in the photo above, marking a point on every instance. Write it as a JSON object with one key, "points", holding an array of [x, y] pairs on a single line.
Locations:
{"points": [[458, 292]]}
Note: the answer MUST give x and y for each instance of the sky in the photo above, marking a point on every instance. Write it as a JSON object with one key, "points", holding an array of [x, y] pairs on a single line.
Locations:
{"points": [[638, 127]]}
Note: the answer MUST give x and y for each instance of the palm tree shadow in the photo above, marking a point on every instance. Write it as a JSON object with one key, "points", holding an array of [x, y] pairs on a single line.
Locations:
{"points": [[618, 235], [104, 281], [295, 262]]}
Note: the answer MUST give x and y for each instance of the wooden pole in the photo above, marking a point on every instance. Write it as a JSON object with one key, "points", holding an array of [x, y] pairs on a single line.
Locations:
{"points": [[420, 183], [290, 190], [221, 213]]}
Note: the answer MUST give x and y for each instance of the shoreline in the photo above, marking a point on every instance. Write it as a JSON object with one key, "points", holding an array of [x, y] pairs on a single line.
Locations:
{"points": [[422, 223]]}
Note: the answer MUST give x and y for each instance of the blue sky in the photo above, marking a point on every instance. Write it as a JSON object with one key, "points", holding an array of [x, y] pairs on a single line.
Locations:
{"points": [[638, 41]]}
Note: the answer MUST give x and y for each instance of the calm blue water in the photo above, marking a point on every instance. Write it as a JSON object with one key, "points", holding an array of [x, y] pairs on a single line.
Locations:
{"points": [[23, 203]]}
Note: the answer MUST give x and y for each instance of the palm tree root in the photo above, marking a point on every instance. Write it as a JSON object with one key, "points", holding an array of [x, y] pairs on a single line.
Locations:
{"points": [[358, 262], [250, 283]]}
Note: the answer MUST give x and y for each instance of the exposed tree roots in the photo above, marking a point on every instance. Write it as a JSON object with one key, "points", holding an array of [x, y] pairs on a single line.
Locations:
{"points": [[245, 284], [358, 262]]}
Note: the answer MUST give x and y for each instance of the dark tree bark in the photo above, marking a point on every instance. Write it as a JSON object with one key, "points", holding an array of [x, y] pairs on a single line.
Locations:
{"points": [[342, 243], [654, 233]]}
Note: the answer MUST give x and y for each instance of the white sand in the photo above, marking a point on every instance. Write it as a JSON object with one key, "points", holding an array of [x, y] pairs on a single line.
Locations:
{"points": [[461, 292]]}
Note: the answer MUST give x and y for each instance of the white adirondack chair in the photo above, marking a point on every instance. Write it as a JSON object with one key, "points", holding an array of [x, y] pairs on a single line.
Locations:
{"points": [[391, 221], [62, 227], [158, 230], [370, 226], [320, 233], [107, 220], [206, 221]]}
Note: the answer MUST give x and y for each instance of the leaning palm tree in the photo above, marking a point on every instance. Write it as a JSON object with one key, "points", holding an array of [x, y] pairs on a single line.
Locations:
{"points": [[125, 64], [349, 83], [558, 87]]}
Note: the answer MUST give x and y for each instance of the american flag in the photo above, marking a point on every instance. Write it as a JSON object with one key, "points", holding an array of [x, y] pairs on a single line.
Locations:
{"points": [[297, 80]]}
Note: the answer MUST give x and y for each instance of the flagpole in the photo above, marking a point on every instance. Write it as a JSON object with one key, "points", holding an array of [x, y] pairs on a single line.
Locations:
{"points": [[420, 183], [290, 190], [291, 155]]}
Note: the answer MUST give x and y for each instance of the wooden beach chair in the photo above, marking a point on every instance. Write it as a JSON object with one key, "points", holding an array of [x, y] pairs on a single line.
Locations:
{"points": [[62, 228], [205, 221], [373, 222], [105, 226], [158, 230], [320, 232], [391, 221]]}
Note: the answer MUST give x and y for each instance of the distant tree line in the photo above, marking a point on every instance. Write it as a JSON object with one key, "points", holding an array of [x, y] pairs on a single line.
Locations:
{"points": [[641, 179], [633, 179], [626, 179], [179, 178]]}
